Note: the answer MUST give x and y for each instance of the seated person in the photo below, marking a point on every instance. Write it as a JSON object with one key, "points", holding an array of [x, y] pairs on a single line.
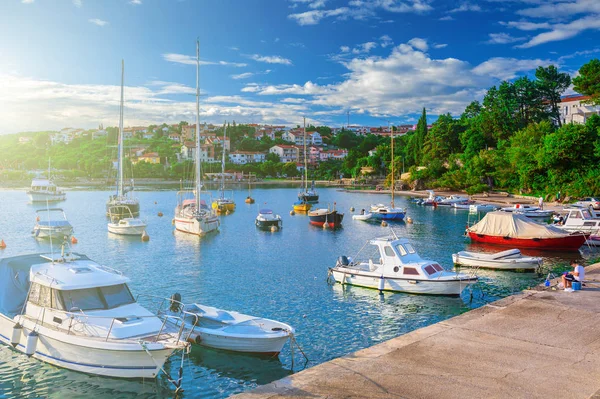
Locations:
{"points": [[578, 274]]}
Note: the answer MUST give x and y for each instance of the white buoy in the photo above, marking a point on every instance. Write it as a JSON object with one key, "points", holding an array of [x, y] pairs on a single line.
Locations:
{"points": [[325, 226], [31, 345], [292, 213], [384, 223], [381, 285], [16, 335], [352, 209], [274, 229]]}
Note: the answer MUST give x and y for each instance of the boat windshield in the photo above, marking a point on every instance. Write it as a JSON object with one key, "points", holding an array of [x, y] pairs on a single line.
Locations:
{"points": [[99, 298], [409, 248]]}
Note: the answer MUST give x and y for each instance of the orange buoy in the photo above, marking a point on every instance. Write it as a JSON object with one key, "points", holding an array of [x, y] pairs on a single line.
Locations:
{"points": [[73, 240], [2, 244], [145, 236], [160, 214]]}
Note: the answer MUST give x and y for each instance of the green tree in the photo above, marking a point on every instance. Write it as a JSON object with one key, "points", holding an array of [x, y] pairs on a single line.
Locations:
{"points": [[551, 84], [588, 81], [271, 156]]}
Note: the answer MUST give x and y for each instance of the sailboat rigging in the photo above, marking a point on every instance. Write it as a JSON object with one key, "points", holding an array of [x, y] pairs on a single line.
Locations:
{"points": [[193, 216], [307, 195], [122, 198], [302, 205], [223, 204]]}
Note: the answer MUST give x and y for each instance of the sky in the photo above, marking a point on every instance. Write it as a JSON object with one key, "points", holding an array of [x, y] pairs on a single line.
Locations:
{"points": [[373, 62]]}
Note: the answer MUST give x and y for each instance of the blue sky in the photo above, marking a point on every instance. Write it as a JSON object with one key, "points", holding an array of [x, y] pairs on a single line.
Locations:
{"points": [[275, 61]]}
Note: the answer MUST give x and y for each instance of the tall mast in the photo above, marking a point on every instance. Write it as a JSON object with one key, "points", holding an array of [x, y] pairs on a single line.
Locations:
{"points": [[223, 163], [392, 135], [305, 163], [198, 169], [120, 138]]}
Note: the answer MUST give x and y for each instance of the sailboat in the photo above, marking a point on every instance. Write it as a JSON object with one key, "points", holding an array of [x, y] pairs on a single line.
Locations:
{"points": [[222, 204], [44, 190], [303, 205], [308, 195], [192, 215], [122, 198], [384, 212]]}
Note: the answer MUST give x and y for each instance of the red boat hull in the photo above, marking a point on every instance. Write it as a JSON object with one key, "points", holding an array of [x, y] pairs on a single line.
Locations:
{"points": [[572, 242]]}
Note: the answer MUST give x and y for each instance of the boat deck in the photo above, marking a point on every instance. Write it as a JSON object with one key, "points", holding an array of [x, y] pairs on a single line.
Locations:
{"points": [[537, 344]]}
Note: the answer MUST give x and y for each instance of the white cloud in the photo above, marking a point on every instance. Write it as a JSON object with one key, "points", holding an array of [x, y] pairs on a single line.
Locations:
{"points": [[27, 1], [562, 9], [508, 68], [135, 2], [466, 7], [191, 60], [310, 3], [31, 104], [345, 49], [271, 59], [244, 75], [560, 32], [386, 41], [77, 3], [419, 44], [364, 48], [362, 9], [98, 22], [440, 45], [526, 25], [503, 38], [447, 18]]}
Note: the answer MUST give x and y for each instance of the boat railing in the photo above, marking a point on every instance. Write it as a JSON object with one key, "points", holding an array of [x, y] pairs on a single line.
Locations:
{"points": [[183, 314]]}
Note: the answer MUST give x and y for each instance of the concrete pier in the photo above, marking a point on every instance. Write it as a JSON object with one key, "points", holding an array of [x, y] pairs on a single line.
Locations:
{"points": [[541, 343]]}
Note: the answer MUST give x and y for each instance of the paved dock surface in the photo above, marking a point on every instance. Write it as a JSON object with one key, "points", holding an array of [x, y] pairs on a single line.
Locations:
{"points": [[538, 344]]}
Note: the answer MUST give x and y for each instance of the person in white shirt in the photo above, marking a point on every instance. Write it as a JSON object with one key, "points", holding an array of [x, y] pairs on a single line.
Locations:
{"points": [[541, 203], [578, 274]]}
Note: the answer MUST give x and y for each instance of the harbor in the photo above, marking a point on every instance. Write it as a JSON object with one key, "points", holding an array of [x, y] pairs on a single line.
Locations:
{"points": [[541, 343], [279, 275]]}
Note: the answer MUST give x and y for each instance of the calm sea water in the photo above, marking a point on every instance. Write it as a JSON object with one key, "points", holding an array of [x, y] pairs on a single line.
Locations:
{"points": [[278, 275]]}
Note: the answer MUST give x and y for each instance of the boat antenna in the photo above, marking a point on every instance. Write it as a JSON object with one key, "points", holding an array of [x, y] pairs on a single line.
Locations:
{"points": [[198, 167], [120, 138], [50, 230], [392, 136]]}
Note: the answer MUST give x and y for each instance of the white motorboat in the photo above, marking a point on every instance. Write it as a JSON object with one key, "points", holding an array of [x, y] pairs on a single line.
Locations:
{"points": [[579, 219], [69, 311], [453, 199], [123, 198], [529, 210], [400, 269], [192, 215], [363, 216], [267, 220], [510, 259], [475, 208], [227, 330], [128, 226], [51, 223], [44, 190]]}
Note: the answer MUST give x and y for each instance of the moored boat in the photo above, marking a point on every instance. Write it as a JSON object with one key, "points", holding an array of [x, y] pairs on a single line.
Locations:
{"points": [[223, 205], [331, 218], [511, 259], [69, 311], [400, 269], [127, 225], [228, 330], [516, 230], [363, 216], [44, 190], [267, 220], [453, 199], [52, 223], [302, 206], [475, 207]]}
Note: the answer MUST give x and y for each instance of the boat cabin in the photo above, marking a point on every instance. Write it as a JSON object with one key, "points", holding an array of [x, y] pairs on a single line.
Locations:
{"points": [[398, 256], [72, 293], [579, 219], [44, 185]]}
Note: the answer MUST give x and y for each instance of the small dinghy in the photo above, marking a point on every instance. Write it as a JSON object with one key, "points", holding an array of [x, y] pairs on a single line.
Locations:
{"points": [[510, 259], [363, 215], [126, 225], [232, 331]]}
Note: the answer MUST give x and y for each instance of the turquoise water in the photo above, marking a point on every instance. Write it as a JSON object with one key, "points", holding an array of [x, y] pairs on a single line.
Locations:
{"points": [[279, 275]]}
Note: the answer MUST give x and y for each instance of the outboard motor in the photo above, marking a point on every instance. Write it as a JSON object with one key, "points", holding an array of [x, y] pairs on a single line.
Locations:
{"points": [[343, 261], [175, 306]]}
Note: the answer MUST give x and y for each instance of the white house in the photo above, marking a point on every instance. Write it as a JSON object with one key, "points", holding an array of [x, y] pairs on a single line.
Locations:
{"points": [[244, 157], [287, 153], [314, 138], [573, 111]]}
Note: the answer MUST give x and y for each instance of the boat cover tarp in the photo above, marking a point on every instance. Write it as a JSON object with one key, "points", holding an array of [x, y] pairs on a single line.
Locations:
{"points": [[505, 224], [14, 283]]}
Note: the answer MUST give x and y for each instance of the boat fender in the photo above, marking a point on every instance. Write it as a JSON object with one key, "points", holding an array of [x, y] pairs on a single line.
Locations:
{"points": [[292, 213], [409, 220], [31, 345], [384, 224], [173, 221], [381, 285], [175, 305], [145, 236], [273, 229], [352, 209], [16, 335], [343, 261], [2, 244], [73, 240], [198, 339]]}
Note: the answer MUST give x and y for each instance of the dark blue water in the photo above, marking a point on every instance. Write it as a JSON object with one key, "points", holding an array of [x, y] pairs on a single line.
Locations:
{"points": [[279, 275]]}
